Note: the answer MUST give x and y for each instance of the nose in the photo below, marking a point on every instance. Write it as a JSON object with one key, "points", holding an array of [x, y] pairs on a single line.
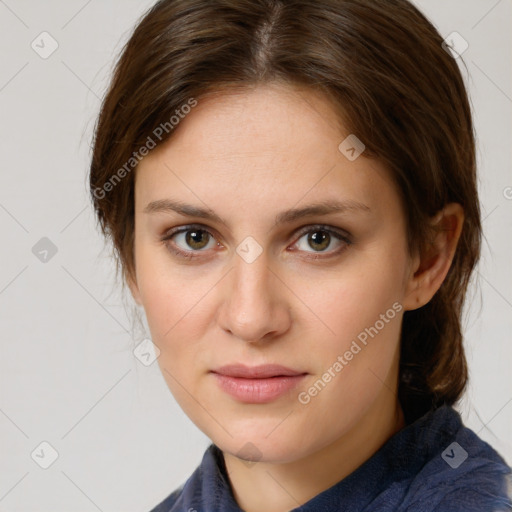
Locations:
{"points": [[255, 308]]}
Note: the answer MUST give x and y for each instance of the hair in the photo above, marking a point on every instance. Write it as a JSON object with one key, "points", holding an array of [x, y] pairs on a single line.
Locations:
{"points": [[383, 66]]}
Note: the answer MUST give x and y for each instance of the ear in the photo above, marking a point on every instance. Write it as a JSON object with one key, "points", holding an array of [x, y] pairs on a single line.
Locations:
{"points": [[131, 280], [430, 268]]}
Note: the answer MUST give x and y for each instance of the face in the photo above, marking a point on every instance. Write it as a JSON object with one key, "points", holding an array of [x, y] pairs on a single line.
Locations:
{"points": [[258, 242]]}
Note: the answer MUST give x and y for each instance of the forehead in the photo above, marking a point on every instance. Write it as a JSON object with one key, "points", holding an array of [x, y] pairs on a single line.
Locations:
{"points": [[255, 123], [272, 143]]}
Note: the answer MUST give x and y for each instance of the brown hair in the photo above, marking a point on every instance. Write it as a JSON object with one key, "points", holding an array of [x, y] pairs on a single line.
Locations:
{"points": [[382, 64]]}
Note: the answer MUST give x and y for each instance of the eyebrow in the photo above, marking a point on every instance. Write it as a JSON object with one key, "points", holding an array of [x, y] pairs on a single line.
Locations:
{"points": [[288, 216]]}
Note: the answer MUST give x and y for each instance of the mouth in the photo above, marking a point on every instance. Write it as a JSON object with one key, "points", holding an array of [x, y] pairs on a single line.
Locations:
{"points": [[257, 384]]}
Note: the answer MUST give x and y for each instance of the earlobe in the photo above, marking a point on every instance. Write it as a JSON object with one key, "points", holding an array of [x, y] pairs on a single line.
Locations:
{"points": [[432, 265]]}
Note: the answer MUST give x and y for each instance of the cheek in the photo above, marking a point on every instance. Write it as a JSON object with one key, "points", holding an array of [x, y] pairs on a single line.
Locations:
{"points": [[358, 362], [166, 289], [356, 296], [364, 340], [362, 308], [172, 307], [169, 300], [177, 301]]}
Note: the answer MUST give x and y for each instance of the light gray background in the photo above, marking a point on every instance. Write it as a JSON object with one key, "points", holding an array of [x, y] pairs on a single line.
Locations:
{"points": [[67, 373]]}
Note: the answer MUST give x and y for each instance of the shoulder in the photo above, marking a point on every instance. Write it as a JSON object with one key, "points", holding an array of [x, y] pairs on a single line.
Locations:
{"points": [[464, 473], [468, 498]]}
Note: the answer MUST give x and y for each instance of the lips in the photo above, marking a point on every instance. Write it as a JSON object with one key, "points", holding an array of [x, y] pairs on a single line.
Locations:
{"points": [[257, 372], [257, 384]]}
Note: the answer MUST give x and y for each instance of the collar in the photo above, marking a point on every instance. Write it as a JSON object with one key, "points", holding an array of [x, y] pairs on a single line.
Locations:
{"points": [[401, 458]]}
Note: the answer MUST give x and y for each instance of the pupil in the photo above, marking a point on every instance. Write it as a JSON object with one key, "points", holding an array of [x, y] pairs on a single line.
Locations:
{"points": [[321, 238]]}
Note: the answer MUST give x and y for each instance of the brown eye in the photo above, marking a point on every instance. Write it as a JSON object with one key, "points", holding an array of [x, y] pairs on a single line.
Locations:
{"points": [[319, 240], [188, 240], [197, 238]]}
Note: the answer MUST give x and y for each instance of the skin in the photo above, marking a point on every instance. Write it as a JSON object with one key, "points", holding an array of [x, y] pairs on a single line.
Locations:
{"points": [[248, 157]]}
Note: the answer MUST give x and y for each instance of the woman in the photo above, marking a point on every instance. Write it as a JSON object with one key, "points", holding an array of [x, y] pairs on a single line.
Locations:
{"points": [[290, 188]]}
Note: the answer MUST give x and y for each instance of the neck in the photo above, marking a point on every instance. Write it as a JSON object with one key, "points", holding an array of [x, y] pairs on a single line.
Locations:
{"points": [[271, 487]]}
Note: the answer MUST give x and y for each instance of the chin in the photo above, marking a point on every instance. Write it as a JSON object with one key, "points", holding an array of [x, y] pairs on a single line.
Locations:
{"points": [[261, 451], [260, 441]]}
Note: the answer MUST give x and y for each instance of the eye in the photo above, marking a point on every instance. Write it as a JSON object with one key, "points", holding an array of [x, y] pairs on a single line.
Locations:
{"points": [[196, 239], [320, 238], [187, 240]]}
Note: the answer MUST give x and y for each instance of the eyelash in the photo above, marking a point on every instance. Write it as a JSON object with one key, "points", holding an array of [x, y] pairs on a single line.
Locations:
{"points": [[338, 234]]}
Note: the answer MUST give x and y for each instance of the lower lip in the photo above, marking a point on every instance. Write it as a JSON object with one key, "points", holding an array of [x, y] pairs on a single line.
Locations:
{"points": [[258, 391]]}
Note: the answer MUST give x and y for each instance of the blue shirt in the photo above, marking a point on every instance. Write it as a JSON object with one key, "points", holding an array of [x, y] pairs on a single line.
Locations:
{"points": [[433, 464]]}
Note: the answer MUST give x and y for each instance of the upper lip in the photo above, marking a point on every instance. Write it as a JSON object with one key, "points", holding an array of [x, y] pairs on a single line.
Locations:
{"points": [[256, 372]]}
